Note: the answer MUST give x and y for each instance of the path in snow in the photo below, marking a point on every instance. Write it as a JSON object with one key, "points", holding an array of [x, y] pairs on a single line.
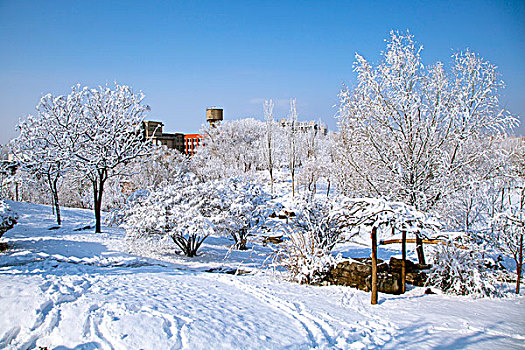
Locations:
{"points": [[65, 289]]}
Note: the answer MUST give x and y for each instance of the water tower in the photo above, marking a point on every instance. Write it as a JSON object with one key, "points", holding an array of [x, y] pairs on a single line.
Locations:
{"points": [[214, 115]]}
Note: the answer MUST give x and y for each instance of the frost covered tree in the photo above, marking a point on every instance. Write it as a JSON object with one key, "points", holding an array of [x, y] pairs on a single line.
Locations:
{"points": [[92, 132], [42, 147], [407, 129], [471, 206], [233, 148], [76, 191], [316, 160], [508, 237], [293, 143], [509, 221], [106, 136], [269, 144], [163, 167]]}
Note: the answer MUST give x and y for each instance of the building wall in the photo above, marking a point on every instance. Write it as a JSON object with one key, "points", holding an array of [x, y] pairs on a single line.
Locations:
{"points": [[153, 130], [305, 126], [191, 142]]}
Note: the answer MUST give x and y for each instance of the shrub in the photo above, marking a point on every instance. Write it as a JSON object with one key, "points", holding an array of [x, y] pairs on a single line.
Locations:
{"points": [[306, 251], [462, 272], [8, 218], [186, 212], [191, 210]]}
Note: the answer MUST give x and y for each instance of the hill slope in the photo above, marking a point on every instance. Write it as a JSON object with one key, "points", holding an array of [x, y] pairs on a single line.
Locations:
{"points": [[64, 289]]}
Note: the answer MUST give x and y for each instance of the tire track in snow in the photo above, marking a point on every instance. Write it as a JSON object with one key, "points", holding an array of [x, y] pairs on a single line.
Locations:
{"points": [[370, 331], [319, 333]]}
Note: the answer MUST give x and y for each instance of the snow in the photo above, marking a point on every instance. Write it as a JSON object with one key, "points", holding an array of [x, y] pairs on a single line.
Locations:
{"points": [[66, 289]]}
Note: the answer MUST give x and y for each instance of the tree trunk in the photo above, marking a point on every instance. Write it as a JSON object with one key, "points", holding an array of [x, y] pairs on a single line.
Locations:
{"points": [[54, 193], [241, 245], [270, 160], [98, 190], [403, 262], [54, 197], [293, 183], [419, 249], [57, 208], [241, 238], [271, 176], [519, 265], [374, 266]]}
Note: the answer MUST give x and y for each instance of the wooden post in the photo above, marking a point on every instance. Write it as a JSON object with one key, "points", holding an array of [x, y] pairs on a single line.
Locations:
{"points": [[519, 265], [403, 262], [419, 249], [374, 265]]}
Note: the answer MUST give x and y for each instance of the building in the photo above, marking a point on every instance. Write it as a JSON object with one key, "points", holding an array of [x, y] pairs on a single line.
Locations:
{"points": [[184, 143], [153, 130], [305, 126], [191, 142]]}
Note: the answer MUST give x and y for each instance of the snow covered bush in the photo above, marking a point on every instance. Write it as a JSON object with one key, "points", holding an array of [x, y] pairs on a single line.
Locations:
{"points": [[186, 212], [117, 216], [246, 206], [462, 272], [309, 237], [507, 237], [8, 218], [191, 210]]}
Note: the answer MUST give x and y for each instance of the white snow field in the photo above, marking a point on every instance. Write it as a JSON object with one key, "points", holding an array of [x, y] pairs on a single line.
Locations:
{"points": [[66, 289]]}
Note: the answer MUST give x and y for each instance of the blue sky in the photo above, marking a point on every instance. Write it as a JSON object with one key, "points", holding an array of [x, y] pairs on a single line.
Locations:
{"points": [[189, 55]]}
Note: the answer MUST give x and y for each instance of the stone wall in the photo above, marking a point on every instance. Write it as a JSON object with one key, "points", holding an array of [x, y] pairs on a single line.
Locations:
{"points": [[356, 273]]}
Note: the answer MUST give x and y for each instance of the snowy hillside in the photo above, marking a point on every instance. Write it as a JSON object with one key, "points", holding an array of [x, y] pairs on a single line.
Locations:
{"points": [[70, 288]]}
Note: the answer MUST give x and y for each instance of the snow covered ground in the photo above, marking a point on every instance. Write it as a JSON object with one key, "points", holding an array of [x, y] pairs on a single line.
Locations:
{"points": [[67, 289]]}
